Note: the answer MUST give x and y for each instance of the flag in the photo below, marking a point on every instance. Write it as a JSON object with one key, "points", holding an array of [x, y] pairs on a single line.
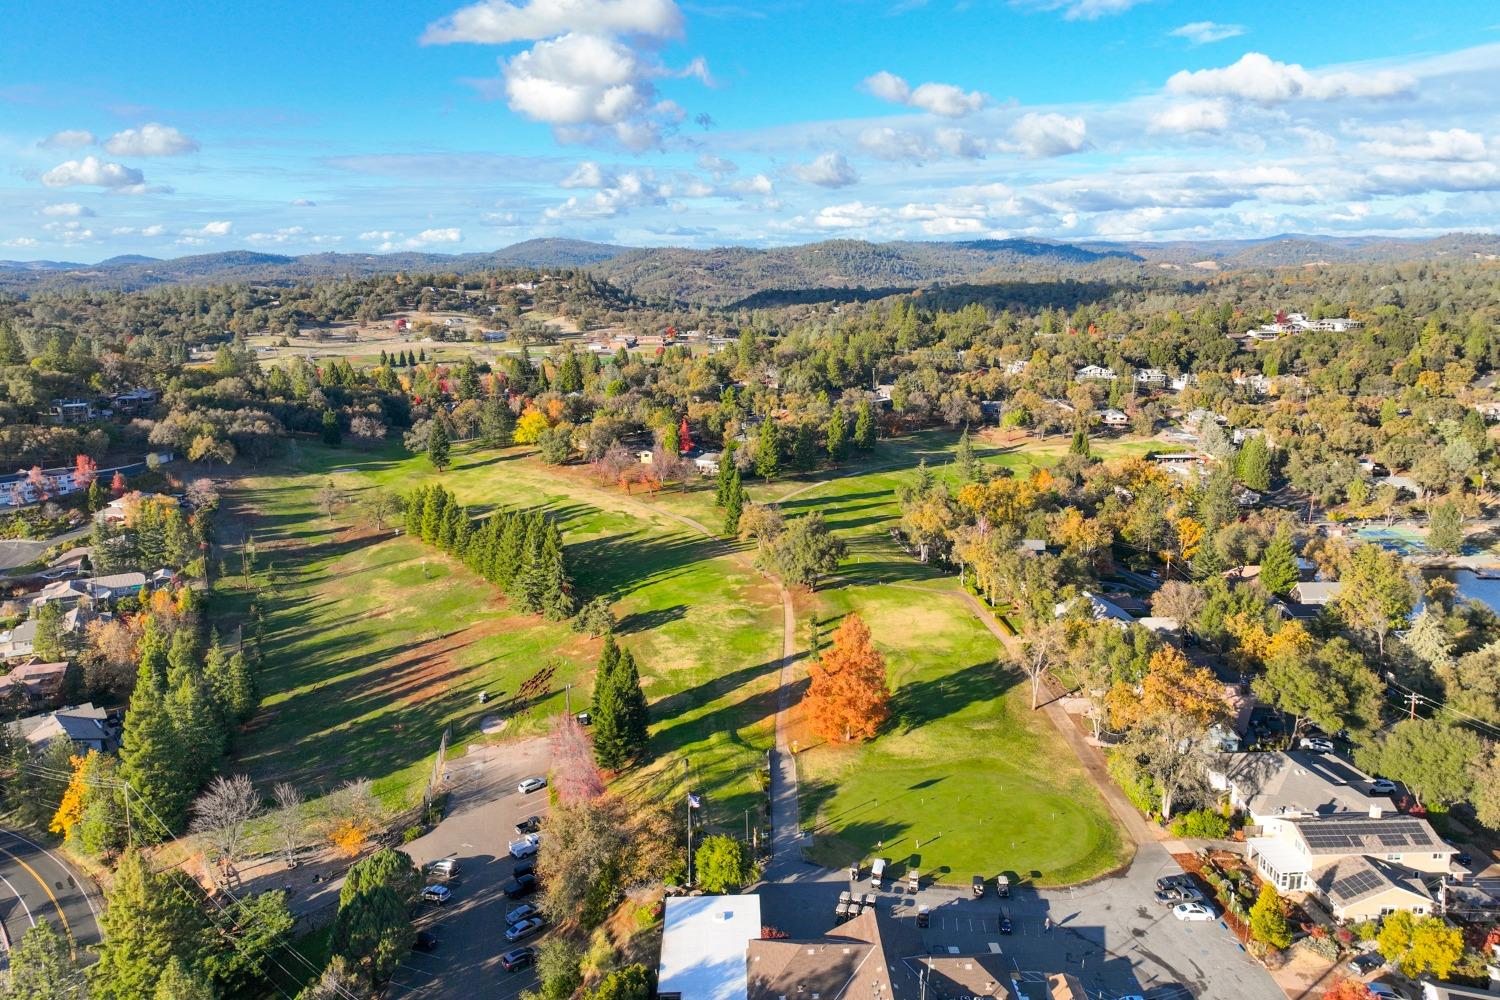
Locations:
{"points": [[694, 802]]}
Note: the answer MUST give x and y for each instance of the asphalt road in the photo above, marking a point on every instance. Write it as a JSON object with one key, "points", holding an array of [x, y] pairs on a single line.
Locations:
{"points": [[477, 830], [1112, 934], [19, 551], [36, 884]]}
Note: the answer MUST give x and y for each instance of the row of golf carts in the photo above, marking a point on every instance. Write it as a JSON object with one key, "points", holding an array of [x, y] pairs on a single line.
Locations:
{"points": [[914, 880]]}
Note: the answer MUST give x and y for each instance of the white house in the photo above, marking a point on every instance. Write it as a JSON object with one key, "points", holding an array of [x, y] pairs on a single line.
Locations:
{"points": [[1150, 377], [704, 943], [707, 463], [1094, 373], [1316, 592], [1113, 418]]}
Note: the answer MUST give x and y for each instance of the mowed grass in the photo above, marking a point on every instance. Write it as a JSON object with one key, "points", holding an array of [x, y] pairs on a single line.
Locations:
{"points": [[375, 643], [965, 779]]}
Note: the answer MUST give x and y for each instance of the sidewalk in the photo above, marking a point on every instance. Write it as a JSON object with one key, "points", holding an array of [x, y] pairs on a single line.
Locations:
{"points": [[786, 820]]}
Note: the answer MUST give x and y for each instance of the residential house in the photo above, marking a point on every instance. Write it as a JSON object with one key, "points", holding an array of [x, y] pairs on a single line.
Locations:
{"points": [[37, 683], [1016, 367], [1150, 378], [1335, 324], [1452, 991], [1246, 498], [118, 510], [133, 403], [707, 463], [1401, 853], [97, 590], [19, 641], [1099, 608], [1094, 373], [1316, 592], [71, 411], [1489, 411], [88, 727], [1032, 546], [1179, 383], [1405, 486], [645, 456], [1114, 418], [1278, 784], [500, 336], [704, 945]]}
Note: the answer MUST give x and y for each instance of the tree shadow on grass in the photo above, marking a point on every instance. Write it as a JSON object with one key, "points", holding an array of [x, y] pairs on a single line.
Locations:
{"points": [[924, 702]]}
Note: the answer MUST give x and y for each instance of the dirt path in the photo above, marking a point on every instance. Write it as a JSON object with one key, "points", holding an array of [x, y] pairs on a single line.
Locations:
{"points": [[1092, 760]]}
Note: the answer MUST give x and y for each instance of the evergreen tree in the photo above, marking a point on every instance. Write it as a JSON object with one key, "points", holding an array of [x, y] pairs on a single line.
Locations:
{"points": [[609, 658], [670, 443], [332, 435], [372, 929], [153, 762], [633, 719], [864, 426], [416, 506], [1080, 443], [837, 434], [177, 983], [530, 583], [42, 967], [734, 507], [768, 450], [231, 684], [1254, 464], [98, 496], [556, 598], [497, 424], [620, 723], [804, 447], [1278, 567], [963, 458], [434, 514], [726, 469], [437, 443], [1445, 533], [150, 919], [511, 552]]}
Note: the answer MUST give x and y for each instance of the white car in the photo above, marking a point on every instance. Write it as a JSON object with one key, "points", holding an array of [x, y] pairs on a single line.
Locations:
{"points": [[1317, 744], [1192, 911], [1382, 786], [531, 785], [526, 846], [439, 894]]}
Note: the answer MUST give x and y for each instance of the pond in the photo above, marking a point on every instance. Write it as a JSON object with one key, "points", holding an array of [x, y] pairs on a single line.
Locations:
{"points": [[1471, 585]]}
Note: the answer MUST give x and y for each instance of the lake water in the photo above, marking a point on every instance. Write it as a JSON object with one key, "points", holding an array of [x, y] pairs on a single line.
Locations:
{"points": [[1471, 586]]}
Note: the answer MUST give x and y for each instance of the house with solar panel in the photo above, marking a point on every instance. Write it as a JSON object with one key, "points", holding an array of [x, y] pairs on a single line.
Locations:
{"points": [[1359, 864]]}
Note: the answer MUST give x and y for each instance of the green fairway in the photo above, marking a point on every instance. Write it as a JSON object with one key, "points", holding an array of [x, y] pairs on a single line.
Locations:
{"points": [[375, 643]]}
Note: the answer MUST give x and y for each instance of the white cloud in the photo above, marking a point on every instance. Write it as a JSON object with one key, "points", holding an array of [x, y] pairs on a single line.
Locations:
{"points": [[72, 138], [615, 195], [1204, 32], [1453, 145], [374, 235], [495, 22], [759, 184], [427, 237], [69, 209], [153, 230], [1194, 116], [94, 172], [1047, 134], [587, 174], [150, 140], [717, 165], [218, 228], [582, 83], [888, 143], [1259, 78], [1081, 10], [69, 233], [850, 215], [286, 235], [829, 170], [23, 242], [959, 144], [303, 203], [943, 99]]}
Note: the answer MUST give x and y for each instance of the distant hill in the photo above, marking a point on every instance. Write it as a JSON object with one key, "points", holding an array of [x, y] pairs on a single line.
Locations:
{"points": [[746, 276]]}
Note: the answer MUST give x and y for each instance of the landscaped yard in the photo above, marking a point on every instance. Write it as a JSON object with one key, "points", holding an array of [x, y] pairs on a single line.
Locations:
{"points": [[375, 643]]}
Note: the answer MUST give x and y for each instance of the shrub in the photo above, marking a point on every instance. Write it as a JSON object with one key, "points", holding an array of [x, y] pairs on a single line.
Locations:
{"points": [[1201, 824], [410, 833], [1138, 787]]}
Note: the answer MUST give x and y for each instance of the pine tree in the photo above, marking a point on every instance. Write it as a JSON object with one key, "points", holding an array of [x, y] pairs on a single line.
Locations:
{"points": [[734, 506], [1278, 567], [804, 447], [620, 722], [726, 468], [497, 424], [98, 497], [177, 983], [437, 443], [609, 658], [200, 733], [670, 444], [416, 505], [1080, 443], [768, 450], [511, 552], [332, 435], [837, 435], [1254, 464], [530, 583], [963, 458], [556, 599], [153, 762], [634, 722], [864, 426], [150, 919], [42, 967], [1445, 532], [434, 512]]}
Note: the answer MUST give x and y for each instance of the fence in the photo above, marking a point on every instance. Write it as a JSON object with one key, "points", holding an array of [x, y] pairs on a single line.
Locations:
{"points": [[436, 777]]}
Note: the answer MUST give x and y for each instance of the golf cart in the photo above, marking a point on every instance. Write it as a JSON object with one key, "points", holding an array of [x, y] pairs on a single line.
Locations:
{"points": [[913, 881], [924, 916], [977, 885], [877, 874], [1002, 886]]}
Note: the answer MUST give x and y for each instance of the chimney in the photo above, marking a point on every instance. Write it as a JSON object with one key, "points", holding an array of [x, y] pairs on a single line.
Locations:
{"points": [[1374, 812]]}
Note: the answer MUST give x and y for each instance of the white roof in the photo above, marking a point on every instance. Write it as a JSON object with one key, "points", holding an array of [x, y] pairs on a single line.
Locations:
{"points": [[703, 945]]}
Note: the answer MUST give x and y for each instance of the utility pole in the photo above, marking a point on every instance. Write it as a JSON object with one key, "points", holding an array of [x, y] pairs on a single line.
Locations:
{"points": [[1413, 698]]}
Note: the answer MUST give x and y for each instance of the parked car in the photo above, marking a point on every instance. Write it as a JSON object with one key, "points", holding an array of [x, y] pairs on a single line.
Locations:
{"points": [[439, 894], [521, 885], [1179, 894], [531, 824], [521, 912], [517, 959], [1382, 991], [1192, 911], [530, 785], [1381, 786], [444, 868], [1005, 925], [526, 867], [425, 941], [1181, 879], [1317, 744], [1365, 962], [525, 928], [526, 846]]}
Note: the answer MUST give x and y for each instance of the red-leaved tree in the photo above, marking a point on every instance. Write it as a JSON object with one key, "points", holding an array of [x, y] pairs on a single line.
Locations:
{"points": [[848, 698], [575, 776], [84, 471], [117, 485]]}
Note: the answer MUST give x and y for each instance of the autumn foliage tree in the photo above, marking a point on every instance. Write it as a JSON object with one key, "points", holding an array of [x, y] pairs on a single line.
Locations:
{"points": [[1348, 989], [848, 698]]}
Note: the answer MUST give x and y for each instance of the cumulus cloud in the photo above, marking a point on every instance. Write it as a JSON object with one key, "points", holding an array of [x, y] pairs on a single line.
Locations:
{"points": [[1452, 145], [1047, 134], [152, 230], [1204, 32], [23, 242], [916, 146], [614, 196], [68, 209], [717, 165], [69, 233], [587, 174], [278, 236], [943, 99], [150, 140], [217, 228], [1081, 10], [427, 237], [1259, 78], [495, 22], [850, 215], [94, 172], [72, 138], [1194, 116], [829, 170]]}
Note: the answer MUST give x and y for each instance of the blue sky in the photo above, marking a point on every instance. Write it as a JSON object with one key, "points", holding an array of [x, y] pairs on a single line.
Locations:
{"points": [[376, 126]]}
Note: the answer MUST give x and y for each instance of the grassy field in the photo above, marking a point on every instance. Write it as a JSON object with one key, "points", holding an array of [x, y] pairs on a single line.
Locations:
{"points": [[375, 643]]}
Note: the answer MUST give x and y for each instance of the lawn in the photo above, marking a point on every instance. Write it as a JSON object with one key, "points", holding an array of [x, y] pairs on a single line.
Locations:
{"points": [[376, 643], [965, 779]]}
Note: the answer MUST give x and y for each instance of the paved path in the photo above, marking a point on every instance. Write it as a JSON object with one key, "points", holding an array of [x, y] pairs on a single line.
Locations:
{"points": [[36, 884], [786, 819]]}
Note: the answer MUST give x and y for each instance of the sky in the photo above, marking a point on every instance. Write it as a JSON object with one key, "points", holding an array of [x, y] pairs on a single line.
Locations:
{"points": [[370, 126]]}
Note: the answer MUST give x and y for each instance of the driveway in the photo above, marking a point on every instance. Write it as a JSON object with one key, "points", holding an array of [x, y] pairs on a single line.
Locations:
{"points": [[1111, 934], [483, 810], [36, 884]]}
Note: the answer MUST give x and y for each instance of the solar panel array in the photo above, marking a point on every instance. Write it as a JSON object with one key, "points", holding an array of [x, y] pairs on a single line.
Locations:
{"points": [[1353, 886], [1383, 834]]}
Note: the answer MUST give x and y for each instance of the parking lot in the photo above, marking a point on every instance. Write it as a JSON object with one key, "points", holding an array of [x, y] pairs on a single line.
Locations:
{"points": [[479, 824], [1112, 934]]}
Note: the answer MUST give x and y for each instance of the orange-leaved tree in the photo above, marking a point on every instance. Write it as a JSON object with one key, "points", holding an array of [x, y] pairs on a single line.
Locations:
{"points": [[848, 698]]}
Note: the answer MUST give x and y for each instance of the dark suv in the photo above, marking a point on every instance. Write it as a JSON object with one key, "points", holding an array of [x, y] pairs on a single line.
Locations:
{"points": [[517, 959], [521, 885]]}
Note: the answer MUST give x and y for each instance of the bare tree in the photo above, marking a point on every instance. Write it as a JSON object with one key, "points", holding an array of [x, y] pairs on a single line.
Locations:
{"points": [[575, 775], [220, 815], [290, 821], [329, 497], [202, 493], [1179, 600], [380, 505], [1043, 645]]}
